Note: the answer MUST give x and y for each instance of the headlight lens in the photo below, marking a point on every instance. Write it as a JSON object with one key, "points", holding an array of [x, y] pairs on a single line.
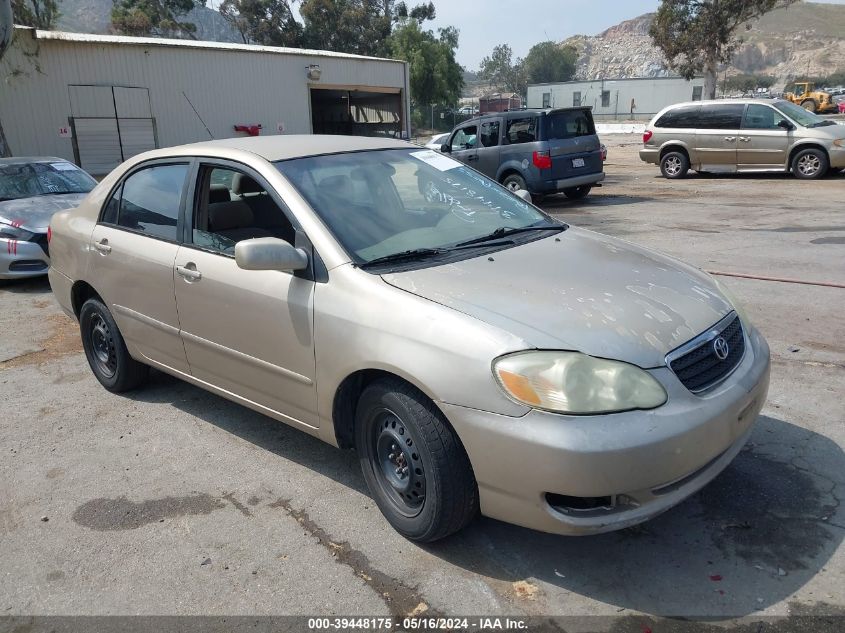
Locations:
{"points": [[570, 382], [14, 233], [732, 300]]}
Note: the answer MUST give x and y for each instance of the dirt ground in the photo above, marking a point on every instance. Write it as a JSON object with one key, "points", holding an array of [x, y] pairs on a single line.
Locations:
{"points": [[171, 500]]}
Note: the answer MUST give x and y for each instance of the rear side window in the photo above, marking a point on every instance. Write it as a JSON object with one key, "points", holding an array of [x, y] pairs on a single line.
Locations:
{"points": [[522, 130], [150, 200], [490, 133], [569, 124], [725, 116], [683, 117]]}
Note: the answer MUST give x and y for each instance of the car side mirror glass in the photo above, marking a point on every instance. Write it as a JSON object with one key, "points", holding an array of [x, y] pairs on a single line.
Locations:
{"points": [[786, 125], [522, 193], [446, 148], [269, 253]]}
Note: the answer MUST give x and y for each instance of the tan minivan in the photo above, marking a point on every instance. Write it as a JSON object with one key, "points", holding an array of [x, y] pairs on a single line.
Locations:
{"points": [[743, 135]]}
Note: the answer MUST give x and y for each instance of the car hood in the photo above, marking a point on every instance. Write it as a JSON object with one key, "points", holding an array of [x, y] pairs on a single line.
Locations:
{"points": [[581, 291], [33, 214]]}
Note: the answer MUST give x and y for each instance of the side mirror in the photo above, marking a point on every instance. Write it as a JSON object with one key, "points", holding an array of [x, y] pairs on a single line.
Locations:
{"points": [[269, 253], [786, 125], [446, 148], [522, 193]]}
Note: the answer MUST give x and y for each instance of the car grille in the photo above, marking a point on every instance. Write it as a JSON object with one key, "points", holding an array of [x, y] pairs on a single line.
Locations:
{"points": [[700, 368], [41, 240]]}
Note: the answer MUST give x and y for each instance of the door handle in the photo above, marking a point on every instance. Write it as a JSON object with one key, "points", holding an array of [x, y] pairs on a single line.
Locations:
{"points": [[103, 246], [730, 138], [189, 272], [745, 139], [472, 157]]}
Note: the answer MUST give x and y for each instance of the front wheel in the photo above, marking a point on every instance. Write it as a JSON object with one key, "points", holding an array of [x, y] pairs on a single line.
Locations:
{"points": [[106, 351], [810, 164], [577, 193], [415, 467]]}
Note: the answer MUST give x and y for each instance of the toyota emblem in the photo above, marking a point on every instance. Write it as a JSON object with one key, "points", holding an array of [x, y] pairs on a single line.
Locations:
{"points": [[721, 348]]}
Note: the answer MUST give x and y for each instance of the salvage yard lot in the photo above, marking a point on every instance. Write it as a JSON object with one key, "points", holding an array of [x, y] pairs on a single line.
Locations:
{"points": [[171, 500]]}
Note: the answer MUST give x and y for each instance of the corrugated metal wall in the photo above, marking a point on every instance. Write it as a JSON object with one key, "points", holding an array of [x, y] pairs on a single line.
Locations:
{"points": [[649, 95], [226, 87]]}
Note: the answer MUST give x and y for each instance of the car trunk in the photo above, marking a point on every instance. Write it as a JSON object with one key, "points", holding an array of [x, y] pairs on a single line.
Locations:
{"points": [[574, 147]]}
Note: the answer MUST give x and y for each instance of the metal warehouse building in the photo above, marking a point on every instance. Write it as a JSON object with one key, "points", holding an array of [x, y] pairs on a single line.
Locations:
{"points": [[617, 98], [98, 100]]}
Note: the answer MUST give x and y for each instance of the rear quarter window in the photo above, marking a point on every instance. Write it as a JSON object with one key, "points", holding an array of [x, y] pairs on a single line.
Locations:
{"points": [[569, 124], [683, 117], [522, 130]]}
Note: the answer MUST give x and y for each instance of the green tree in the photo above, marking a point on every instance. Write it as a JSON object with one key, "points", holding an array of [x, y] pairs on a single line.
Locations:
{"points": [[268, 22], [548, 62], [435, 76], [748, 83], [500, 70], [698, 35], [41, 14], [153, 17]]}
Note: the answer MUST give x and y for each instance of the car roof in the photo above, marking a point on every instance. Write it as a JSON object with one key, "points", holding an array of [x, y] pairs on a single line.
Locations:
{"points": [[28, 160], [286, 146], [741, 101]]}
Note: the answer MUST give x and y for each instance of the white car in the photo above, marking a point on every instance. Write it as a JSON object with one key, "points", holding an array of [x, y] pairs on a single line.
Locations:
{"points": [[437, 141]]}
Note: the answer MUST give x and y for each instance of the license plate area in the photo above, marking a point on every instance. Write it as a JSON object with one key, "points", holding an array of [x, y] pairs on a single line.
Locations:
{"points": [[578, 162]]}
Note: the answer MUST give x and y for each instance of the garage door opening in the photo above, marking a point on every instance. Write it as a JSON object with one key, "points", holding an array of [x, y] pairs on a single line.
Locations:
{"points": [[356, 112]]}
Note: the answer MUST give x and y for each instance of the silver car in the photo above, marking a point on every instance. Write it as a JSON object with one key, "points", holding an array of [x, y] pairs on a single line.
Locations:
{"points": [[478, 354], [743, 135], [31, 191]]}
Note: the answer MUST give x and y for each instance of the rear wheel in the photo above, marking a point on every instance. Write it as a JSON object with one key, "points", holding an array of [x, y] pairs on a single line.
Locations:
{"points": [[416, 469], [577, 193], [514, 182], [810, 104], [674, 165], [106, 351], [810, 164]]}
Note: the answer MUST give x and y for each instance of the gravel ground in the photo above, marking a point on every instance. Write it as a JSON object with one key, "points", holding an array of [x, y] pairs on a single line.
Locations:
{"points": [[173, 501]]}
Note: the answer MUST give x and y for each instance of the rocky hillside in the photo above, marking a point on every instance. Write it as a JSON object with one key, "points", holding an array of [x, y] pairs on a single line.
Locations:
{"points": [[93, 16], [806, 38]]}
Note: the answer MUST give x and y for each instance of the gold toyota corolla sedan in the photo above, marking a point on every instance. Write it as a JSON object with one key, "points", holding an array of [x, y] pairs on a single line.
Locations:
{"points": [[478, 354]]}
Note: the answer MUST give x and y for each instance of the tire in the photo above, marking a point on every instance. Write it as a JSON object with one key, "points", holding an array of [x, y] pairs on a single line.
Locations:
{"points": [[398, 429], [106, 351], [810, 164], [674, 165], [810, 104], [514, 182], [577, 193]]}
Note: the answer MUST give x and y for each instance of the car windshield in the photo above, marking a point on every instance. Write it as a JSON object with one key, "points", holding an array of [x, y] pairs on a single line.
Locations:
{"points": [[26, 180], [800, 115], [386, 202]]}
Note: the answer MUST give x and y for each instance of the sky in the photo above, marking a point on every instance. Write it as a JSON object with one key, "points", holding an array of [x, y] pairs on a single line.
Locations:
{"points": [[522, 23]]}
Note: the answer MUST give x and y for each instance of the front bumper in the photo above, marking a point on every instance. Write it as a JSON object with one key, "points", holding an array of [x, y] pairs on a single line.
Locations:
{"points": [[641, 462], [19, 259]]}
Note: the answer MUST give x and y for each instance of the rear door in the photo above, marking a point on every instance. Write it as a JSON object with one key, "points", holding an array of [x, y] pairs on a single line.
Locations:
{"points": [[716, 135], [489, 147], [762, 144], [572, 143], [464, 144]]}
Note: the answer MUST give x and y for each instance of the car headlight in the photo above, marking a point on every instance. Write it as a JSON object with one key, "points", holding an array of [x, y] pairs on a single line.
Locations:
{"points": [[571, 382], [14, 232], [737, 306]]}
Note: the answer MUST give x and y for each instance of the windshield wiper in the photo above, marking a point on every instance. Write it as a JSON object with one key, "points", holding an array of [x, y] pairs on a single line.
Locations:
{"points": [[411, 255], [504, 231]]}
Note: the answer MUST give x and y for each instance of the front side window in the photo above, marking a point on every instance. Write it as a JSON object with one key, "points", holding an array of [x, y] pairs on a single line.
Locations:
{"points": [[418, 199], [150, 200], [27, 180], [761, 117], [232, 206], [465, 138], [569, 124], [490, 133], [521, 130]]}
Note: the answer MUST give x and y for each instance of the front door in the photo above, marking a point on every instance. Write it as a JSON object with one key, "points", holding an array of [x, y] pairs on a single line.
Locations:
{"points": [[247, 332], [762, 143], [489, 148], [716, 136], [133, 248]]}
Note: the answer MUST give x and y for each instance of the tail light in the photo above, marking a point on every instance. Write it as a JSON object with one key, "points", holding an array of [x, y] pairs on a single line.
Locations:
{"points": [[49, 234], [542, 160], [647, 136]]}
